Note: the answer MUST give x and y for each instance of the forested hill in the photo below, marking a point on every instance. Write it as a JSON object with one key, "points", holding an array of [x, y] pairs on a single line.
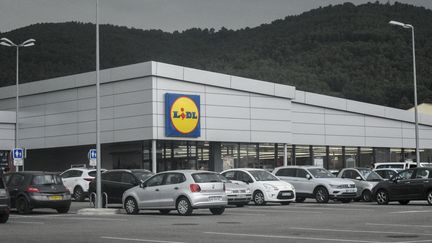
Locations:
{"points": [[345, 50]]}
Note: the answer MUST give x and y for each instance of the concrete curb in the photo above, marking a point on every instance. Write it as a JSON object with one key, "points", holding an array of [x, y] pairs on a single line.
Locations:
{"points": [[99, 211]]}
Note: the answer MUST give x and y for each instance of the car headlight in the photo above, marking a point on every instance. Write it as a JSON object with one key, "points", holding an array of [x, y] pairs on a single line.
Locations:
{"points": [[248, 190], [228, 191], [336, 186], [269, 187], [3, 193]]}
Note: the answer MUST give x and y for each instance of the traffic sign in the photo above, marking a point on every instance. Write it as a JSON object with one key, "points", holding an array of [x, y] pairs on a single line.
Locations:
{"points": [[18, 153], [92, 155]]}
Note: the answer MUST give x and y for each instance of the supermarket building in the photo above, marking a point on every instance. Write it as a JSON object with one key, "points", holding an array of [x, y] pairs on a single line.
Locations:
{"points": [[161, 117]]}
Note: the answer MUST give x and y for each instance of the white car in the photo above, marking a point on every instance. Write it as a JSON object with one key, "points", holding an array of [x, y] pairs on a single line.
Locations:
{"points": [[264, 186], [77, 180], [317, 182]]}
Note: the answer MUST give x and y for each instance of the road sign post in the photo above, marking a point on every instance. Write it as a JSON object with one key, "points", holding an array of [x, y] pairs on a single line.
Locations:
{"points": [[92, 155], [18, 156]]}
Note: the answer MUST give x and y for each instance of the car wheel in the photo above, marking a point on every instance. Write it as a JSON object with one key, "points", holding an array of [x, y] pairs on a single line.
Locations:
{"points": [[382, 197], [404, 202], [184, 207], [131, 206], [429, 197], [345, 200], [300, 199], [23, 206], [164, 211], [62, 210], [258, 198], [285, 203], [217, 211], [366, 196], [78, 194], [4, 218], [321, 195]]}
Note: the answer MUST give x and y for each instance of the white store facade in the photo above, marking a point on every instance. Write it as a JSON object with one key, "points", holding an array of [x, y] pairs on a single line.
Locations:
{"points": [[241, 123]]}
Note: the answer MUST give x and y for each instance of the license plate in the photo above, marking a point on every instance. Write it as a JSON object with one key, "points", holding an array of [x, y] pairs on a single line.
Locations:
{"points": [[350, 190], [215, 198], [55, 198], [286, 194]]}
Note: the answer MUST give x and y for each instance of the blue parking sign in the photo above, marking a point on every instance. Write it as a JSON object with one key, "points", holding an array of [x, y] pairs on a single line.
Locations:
{"points": [[17, 153], [92, 154]]}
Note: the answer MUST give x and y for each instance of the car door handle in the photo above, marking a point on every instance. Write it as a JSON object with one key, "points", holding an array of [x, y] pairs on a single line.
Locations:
{"points": [[176, 188], [157, 190]]}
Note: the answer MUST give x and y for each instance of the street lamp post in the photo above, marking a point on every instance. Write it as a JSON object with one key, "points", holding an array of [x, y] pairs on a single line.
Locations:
{"points": [[9, 43], [408, 26]]}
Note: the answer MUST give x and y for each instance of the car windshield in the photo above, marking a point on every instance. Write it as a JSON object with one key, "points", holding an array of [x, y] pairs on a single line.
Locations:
{"points": [[224, 179], [370, 175], [47, 180], [143, 175], [321, 173], [395, 166], [262, 175], [205, 177]]}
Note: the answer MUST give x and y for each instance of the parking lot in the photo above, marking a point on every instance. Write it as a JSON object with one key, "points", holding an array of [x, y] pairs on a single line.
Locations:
{"points": [[299, 222]]}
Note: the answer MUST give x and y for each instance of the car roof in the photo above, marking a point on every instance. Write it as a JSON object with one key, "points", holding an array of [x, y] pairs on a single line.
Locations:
{"points": [[28, 172], [300, 166]]}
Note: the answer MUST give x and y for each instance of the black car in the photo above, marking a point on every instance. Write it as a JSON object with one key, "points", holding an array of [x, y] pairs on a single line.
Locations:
{"points": [[4, 200], [36, 189], [115, 182], [411, 184]]}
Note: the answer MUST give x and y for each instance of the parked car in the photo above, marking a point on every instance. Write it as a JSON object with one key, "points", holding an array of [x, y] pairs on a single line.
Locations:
{"points": [[36, 189], [115, 182], [387, 173], [407, 185], [181, 190], [265, 187], [4, 200], [238, 195], [364, 178], [77, 181], [395, 165], [316, 182]]}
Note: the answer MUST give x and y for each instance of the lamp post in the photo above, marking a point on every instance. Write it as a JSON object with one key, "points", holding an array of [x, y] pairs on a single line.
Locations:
{"points": [[98, 146], [9, 43], [408, 26]]}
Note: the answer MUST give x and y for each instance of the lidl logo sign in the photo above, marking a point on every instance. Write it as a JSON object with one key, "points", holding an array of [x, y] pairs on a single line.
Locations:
{"points": [[182, 115]]}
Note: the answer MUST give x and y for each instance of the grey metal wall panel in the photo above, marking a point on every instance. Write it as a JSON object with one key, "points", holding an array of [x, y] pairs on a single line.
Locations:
{"points": [[269, 125], [176, 85], [271, 137], [343, 130], [36, 132], [227, 100], [380, 122], [64, 118], [133, 97], [228, 112], [133, 110], [383, 132], [61, 141], [252, 85], [31, 101], [31, 111], [59, 130], [345, 140], [132, 122], [347, 119], [228, 135], [7, 133], [270, 114], [132, 134], [228, 124], [270, 102], [60, 96], [132, 85], [305, 128], [307, 139], [301, 117], [61, 107], [209, 78], [384, 142]]}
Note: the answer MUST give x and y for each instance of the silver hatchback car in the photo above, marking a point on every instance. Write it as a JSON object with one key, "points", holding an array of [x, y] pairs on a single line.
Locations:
{"points": [[181, 190]]}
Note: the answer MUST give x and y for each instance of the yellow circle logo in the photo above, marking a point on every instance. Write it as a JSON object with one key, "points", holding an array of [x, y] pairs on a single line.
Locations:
{"points": [[184, 114]]}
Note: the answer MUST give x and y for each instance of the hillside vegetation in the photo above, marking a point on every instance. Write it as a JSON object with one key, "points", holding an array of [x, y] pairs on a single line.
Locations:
{"points": [[344, 50]]}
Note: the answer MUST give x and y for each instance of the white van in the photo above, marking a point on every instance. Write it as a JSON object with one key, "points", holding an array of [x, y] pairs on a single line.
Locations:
{"points": [[400, 165]]}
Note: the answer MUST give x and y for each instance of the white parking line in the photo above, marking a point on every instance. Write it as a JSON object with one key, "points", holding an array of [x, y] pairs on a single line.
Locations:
{"points": [[291, 237], [27, 222], [139, 240], [360, 231], [277, 211], [252, 214], [401, 225], [414, 211]]}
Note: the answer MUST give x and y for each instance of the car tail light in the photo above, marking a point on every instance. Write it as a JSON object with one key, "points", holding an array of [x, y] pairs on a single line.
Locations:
{"points": [[89, 178], [195, 188], [32, 189]]}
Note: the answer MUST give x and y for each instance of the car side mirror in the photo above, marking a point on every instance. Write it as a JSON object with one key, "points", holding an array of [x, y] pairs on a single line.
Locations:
{"points": [[142, 185], [308, 176], [358, 178]]}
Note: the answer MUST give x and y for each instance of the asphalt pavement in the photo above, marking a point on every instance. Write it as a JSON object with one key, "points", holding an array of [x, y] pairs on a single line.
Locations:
{"points": [[298, 222]]}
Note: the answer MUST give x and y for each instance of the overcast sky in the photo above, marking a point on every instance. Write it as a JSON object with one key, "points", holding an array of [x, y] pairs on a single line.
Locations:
{"points": [[167, 15]]}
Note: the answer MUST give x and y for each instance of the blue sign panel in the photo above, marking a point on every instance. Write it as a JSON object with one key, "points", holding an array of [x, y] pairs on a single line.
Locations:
{"points": [[92, 154], [182, 115], [17, 153]]}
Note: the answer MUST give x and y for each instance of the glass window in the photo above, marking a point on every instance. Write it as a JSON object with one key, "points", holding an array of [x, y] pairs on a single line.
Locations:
{"points": [[366, 157], [205, 177], [422, 174], [291, 172], [242, 176], [203, 150], [46, 180], [112, 176], [301, 173], [248, 156], [320, 156], [321, 173], [16, 180], [335, 158], [347, 174], [230, 175], [174, 178], [67, 174], [382, 155], [155, 180], [396, 154], [405, 175], [142, 175], [229, 153], [262, 175], [267, 155], [280, 154], [128, 178], [351, 157], [303, 156]]}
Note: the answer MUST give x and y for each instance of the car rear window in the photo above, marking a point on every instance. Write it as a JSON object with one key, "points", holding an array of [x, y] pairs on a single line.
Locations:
{"points": [[205, 177], [46, 180], [92, 173]]}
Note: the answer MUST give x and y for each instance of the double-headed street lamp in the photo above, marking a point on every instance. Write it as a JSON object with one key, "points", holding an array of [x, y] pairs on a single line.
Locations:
{"points": [[9, 43], [408, 26]]}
